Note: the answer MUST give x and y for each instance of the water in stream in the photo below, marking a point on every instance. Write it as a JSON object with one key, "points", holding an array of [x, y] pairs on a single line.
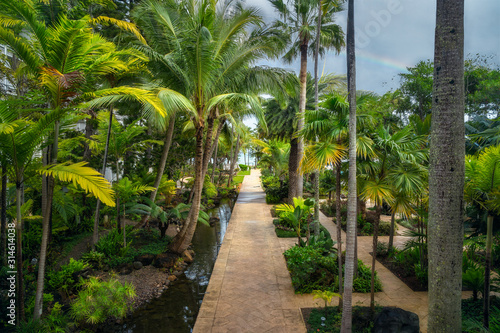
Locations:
{"points": [[176, 309]]}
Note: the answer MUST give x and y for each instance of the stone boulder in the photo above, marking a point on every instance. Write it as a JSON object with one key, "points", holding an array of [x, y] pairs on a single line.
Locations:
{"points": [[145, 259], [137, 265], [125, 269], [396, 320], [165, 260]]}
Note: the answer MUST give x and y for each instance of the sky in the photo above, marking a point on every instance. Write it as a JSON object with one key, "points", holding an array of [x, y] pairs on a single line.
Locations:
{"points": [[394, 34]]}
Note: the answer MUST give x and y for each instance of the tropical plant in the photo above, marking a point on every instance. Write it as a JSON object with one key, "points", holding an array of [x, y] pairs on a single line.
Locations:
{"points": [[297, 20], [327, 296]]}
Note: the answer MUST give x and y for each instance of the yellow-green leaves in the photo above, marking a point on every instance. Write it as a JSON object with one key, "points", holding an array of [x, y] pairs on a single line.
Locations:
{"points": [[90, 180]]}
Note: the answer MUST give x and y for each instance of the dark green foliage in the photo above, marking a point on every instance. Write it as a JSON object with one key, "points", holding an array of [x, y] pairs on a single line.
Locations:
{"points": [[362, 319], [362, 283], [244, 167], [276, 190], [64, 279], [112, 243], [472, 315]]}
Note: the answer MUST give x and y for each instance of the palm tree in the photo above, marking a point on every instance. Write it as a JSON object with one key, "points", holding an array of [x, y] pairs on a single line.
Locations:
{"points": [[446, 170], [209, 63], [298, 20], [482, 188], [346, 325], [19, 139], [275, 156]]}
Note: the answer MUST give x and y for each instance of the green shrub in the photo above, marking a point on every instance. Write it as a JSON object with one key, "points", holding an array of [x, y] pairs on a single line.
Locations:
{"points": [[362, 283], [112, 243], [243, 167], [63, 279], [99, 300], [209, 189], [310, 270], [275, 189], [94, 258]]}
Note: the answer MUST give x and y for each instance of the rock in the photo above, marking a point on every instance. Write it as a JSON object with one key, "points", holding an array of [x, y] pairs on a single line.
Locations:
{"points": [[145, 259], [137, 265], [177, 273], [167, 283], [165, 260], [126, 269], [172, 230], [186, 255], [396, 320], [172, 278], [213, 220]]}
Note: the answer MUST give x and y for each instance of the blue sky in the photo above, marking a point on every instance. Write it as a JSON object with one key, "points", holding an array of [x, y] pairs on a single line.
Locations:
{"points": [[394, 34]]}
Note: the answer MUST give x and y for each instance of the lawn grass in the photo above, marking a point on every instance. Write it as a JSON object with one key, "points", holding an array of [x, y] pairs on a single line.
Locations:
{"points": [[238, 180], [244, 173]]}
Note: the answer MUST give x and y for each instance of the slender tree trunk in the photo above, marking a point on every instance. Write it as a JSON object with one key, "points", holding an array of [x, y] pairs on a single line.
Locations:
{"points": [[446, 170], [292, 170], [391, 235], [300, 120], [338, 219], [19, 253], [233, 161], [487, 273], [378, 210], [37, 312], [95, 235], [167, 143], [212, 177], [3, 213], [352, 187], [316, 172], [182, 240]]}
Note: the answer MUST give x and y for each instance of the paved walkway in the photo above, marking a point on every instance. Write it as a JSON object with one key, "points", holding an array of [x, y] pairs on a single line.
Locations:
{"points": [[250, 289]]}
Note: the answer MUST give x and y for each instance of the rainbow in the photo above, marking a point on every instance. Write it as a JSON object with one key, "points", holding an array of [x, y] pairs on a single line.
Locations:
{"points": [[381, 61]]}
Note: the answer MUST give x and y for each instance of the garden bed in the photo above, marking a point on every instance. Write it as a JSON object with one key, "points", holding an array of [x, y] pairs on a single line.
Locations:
{"points": [[410, 280]]}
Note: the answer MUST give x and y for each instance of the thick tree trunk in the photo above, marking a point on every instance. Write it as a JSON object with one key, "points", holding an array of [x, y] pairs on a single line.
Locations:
{"points": [[487, 272], [338, 219], [182, 240], [292, 170], [95, 235], [352, 187], [446, 171]]}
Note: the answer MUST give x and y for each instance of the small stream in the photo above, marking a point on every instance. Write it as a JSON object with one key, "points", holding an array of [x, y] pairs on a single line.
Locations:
{"points": [[177, 308]]}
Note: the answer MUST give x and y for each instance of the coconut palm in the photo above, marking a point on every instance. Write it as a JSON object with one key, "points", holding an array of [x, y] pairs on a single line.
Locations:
{"points": [[346, 325], [446, 170], [275, 155], [298, 19], [210, 64], [482, 189]]}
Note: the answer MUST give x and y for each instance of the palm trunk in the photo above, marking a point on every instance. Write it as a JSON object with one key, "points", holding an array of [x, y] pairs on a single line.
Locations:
{"points": [[19, 253], [300, 116], [378, 210], [446, 171], [233, 161], [487, 272], [184, 237], [212, 177], [37, 312], [352, 187], [391, 235], [292, 170], [338, 219], [167, 142], [95, 235], [118, 208]]}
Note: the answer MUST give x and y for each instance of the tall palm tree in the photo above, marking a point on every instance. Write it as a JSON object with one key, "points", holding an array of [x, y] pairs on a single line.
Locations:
{"points": [[346, 325], [209, 63], [482, 188], [446, 170], [298, 19]]}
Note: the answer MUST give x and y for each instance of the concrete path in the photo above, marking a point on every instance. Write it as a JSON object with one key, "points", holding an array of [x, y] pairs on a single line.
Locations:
{"points": [[250, 289]]}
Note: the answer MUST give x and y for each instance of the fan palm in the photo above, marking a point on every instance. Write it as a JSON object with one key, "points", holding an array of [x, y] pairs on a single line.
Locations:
{"points": [[298, 21]]}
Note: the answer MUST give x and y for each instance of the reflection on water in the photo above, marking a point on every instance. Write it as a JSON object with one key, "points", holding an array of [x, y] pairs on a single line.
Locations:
{"points": [[176, 309]]}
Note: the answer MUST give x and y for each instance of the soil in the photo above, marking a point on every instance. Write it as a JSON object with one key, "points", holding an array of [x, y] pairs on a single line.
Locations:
{"points": [[409, 280]]}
